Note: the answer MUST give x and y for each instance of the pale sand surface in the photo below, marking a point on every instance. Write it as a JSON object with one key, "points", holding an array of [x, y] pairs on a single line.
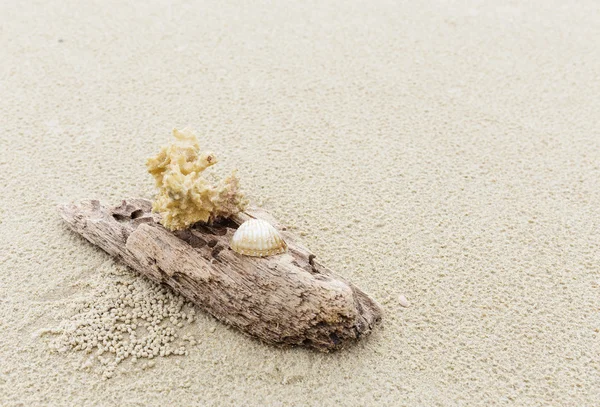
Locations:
{"points": [[445, 151]]}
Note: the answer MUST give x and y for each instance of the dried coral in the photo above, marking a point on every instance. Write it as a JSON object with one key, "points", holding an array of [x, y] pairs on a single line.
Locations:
{"points": [[185, 196]]}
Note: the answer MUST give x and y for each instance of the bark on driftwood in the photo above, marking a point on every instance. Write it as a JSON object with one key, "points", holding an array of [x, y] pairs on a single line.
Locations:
{"points": [[285, 299]]}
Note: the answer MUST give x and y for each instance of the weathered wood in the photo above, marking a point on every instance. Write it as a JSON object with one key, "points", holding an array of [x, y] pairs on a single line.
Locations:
{"points": [[285, 299]]}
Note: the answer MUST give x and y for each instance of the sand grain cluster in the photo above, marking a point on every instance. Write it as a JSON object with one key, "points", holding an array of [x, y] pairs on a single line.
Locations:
{"points": [[128, 318]]}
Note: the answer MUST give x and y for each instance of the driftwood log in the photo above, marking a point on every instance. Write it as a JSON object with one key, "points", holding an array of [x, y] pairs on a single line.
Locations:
{"points": [[285, 299]]}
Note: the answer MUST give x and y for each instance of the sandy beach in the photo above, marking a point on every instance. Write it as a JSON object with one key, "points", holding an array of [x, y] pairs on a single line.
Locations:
{"points": [[444, 151]]}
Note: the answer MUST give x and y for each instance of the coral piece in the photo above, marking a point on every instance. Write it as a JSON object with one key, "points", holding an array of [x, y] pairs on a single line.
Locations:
{"points": [[185, 196], [257, 237]]}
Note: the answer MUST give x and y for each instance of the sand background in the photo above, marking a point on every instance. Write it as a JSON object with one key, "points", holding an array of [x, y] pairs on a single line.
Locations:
{"points": [[448, 151]]}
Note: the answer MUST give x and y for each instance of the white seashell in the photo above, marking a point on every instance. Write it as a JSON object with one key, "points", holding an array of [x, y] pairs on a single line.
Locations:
{"points": [[259, 238]]}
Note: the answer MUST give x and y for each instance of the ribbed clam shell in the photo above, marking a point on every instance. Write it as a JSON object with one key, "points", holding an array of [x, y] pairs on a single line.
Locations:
{"points": [[257, 237]]}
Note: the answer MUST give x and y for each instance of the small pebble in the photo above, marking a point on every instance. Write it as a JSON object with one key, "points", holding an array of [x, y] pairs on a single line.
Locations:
{"points": [[403, 301]]}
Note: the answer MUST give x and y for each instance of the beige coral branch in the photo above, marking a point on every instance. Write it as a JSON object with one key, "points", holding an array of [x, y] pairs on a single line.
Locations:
{"points": [[185, 196]]}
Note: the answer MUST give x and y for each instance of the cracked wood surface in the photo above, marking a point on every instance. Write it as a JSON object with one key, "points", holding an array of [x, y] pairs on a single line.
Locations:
{"points": [[288, 299]]}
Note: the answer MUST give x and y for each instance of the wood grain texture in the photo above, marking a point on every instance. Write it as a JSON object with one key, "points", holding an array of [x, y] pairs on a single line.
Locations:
{"points": [[288, 299]]}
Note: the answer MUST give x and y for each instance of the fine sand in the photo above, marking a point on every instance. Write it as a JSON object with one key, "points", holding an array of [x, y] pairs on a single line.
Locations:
{"points": [[445, 151]]}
